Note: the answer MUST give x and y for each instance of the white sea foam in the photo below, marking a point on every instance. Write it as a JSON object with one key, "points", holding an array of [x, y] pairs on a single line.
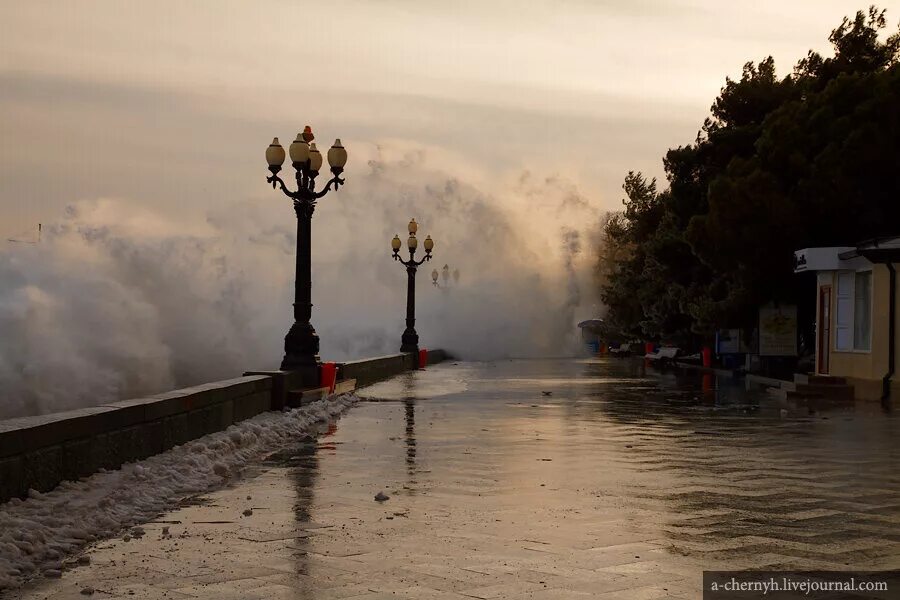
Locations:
{"points": [[37, 534], [209, 295]]}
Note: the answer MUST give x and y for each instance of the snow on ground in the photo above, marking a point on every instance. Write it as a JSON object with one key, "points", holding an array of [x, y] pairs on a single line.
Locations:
{"points": [[38, 533]]}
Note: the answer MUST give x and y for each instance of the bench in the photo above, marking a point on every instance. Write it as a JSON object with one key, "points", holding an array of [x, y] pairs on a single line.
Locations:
{"points": [[664, 355], [692, 358], [303, 397], [623, 350]]}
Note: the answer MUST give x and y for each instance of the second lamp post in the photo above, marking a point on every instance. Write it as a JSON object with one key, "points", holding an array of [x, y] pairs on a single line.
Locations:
{"points": [[410, 339]]}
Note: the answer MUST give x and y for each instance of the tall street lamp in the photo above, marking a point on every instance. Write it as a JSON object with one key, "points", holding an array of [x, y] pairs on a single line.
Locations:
{"points": [[410, 339], [301, 344]]}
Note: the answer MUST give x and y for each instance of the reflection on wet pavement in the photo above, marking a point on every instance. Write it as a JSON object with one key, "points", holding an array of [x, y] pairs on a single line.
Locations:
{"points": [[528, 479]]}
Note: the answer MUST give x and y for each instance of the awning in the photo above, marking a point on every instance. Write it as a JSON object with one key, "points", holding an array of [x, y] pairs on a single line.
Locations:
{"points": [[879, 250]]}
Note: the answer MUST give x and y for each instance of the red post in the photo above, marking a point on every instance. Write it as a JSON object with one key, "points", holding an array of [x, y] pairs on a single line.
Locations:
{"points": [[328, 376], [423, 358], [707, 357], [648, 348]]}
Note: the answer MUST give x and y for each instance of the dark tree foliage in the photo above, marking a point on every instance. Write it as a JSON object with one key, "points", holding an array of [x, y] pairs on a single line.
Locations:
{"points": [[811, 159]]}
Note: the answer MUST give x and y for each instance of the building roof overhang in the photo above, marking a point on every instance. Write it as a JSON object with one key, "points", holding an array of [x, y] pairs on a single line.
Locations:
{"points": [[878, 250]]}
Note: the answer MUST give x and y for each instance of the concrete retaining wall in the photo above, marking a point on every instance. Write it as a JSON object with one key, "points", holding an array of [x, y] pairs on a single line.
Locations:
{"points": [[370, 370], [40, 452]]}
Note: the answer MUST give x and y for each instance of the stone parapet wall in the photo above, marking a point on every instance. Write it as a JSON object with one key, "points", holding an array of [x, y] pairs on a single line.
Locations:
{"points": [[370, 370], [42, 451]]}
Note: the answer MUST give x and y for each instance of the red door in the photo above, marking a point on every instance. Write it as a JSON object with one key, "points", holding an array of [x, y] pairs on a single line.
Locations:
{"points": [[824, 330]]}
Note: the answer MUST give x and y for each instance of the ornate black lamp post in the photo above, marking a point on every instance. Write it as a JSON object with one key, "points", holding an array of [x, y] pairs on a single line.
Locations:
{"points": [[301, 344], [410, 340]]}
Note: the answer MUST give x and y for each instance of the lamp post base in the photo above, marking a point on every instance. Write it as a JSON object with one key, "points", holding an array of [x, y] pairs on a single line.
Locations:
{"points": [[292, 362], [301, 353], [305, 376], [409, 342]]}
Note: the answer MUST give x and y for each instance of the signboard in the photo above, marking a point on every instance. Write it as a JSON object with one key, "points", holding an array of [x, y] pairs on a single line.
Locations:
{"points": [[778, 331], [800, 262], [821, 259], [728, 341]]}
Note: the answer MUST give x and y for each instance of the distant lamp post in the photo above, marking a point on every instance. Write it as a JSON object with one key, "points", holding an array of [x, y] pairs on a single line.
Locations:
{"points": [[410, 339], [301, 344], [445, 276]]}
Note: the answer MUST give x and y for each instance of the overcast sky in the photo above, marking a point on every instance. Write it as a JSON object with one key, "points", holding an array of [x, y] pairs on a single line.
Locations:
{"points": [[171, 104]]}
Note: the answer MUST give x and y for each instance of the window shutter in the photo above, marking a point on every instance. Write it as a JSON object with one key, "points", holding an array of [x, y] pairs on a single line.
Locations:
{"points": [[844, 312], [862, 311]]}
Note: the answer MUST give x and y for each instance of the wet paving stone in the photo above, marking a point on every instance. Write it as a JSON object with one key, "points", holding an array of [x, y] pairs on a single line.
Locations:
{"points": [[528, 479]]}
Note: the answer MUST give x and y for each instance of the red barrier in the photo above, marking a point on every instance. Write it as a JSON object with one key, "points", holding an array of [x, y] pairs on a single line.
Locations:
{"points": [[328, 376], [648, 348], [707, 357], [423, 358]]}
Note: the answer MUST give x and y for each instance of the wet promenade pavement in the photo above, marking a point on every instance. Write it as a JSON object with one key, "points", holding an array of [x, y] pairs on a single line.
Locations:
{"points": [[615, 485]]}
